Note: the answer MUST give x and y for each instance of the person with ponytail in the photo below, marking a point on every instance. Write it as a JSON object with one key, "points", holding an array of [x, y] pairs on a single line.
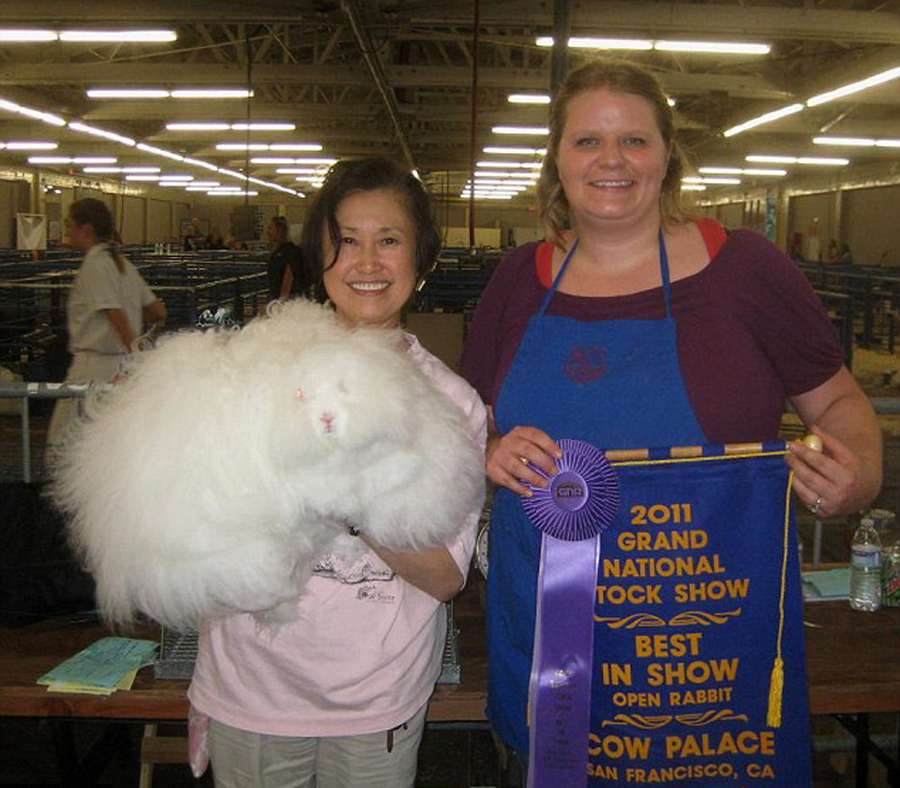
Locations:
{"points": [[109, 305]]}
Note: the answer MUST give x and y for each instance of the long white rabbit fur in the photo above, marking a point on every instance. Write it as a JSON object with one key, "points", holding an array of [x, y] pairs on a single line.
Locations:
{"points": [[226, 463]]}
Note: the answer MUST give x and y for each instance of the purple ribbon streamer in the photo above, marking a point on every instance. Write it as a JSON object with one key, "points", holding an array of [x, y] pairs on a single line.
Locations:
{"points": [[577, 505], [560, 691]]}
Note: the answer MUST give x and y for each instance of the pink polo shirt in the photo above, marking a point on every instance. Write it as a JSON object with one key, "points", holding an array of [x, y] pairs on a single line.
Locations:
{"points": [[365, 651]]}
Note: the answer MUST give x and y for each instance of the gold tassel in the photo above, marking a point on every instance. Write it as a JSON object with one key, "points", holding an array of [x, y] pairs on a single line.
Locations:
{"points": [[776, 689]]}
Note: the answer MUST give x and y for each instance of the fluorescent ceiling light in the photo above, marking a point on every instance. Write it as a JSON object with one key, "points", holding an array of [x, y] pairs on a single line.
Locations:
{"points": [[94, 160], [23, 145], [83, 127], [299, 171], [146, 93], [739, 171], [174, 184], [501, 181], [580, 42], [516, 165], [118, 35], [203, 185], [28, 35], [863, 142], [98, 170], [142, 177], [715, 47], [176, 177], [241, 146], [670, 101], [299, 146], [197, 126], [515, 150], [159, 151], [46, 117], [854, 87], [693, 187], [759, 121], [262, 126], [109, 135], [72, 160], [138, 169], [528, 98], [505, 174], [212, 93], [323, 160], [217, 193], [541, 131], [772, 159], [814, 160]]}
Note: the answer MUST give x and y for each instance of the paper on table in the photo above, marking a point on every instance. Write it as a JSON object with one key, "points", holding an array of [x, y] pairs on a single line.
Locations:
{"points": [[104, 663], [89, 689], [827, 584]]}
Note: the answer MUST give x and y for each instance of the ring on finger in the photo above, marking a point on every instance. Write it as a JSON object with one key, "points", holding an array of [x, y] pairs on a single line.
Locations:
{"points": [[523, 460], [816, 508]]}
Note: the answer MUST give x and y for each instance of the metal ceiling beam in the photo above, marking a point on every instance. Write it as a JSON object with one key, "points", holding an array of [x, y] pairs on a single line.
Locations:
{"points": [[684, 19], [771, 22], [849, 69], [199, 74], [373, 62], [163, 11]]}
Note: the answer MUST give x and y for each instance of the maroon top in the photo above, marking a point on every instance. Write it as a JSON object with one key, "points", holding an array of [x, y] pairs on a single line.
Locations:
{"points": [[750, 329]]}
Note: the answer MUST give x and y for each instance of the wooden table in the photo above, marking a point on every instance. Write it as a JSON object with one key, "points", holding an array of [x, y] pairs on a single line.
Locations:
{"points": [[853, 664]]}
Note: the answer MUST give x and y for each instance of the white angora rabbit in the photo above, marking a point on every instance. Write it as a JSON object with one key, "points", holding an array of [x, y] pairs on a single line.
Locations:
{"points": [[211, 479]]}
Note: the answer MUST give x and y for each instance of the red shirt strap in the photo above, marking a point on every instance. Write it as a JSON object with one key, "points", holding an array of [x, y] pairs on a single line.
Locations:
{"points": [[713, 233], [544, 260]]}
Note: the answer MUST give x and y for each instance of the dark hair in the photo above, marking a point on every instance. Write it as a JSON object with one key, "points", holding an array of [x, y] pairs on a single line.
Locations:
{"points": [[95, 213], [281, 227], [363, 175], [619, 76]]}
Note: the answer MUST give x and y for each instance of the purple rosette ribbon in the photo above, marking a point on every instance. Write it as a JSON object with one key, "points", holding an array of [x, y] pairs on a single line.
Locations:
{"points": [[576, 507]]}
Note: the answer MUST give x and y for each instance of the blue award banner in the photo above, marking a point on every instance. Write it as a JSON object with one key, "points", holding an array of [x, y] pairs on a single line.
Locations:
{"points": [[698, 605]]}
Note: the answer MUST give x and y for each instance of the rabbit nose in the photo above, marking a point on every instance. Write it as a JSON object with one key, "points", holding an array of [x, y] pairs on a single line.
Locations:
{"points": [[327, 419]]}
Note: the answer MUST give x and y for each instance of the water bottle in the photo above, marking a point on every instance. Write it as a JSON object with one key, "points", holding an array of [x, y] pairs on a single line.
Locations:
{"points": [[865, 567]]}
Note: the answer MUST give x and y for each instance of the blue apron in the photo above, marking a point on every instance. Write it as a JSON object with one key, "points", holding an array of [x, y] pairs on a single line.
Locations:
{"points": [[613, 383]]}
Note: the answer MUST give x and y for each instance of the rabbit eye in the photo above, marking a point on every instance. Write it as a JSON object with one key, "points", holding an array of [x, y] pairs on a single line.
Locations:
{"points": [[299, 394]]}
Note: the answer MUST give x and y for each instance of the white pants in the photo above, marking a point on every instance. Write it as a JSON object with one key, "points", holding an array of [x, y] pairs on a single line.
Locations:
{"points": [[86, 368], [241, 759]]}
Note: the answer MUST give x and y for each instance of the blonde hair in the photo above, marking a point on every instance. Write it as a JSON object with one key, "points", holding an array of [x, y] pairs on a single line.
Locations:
{"points": [[619, 76]]}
